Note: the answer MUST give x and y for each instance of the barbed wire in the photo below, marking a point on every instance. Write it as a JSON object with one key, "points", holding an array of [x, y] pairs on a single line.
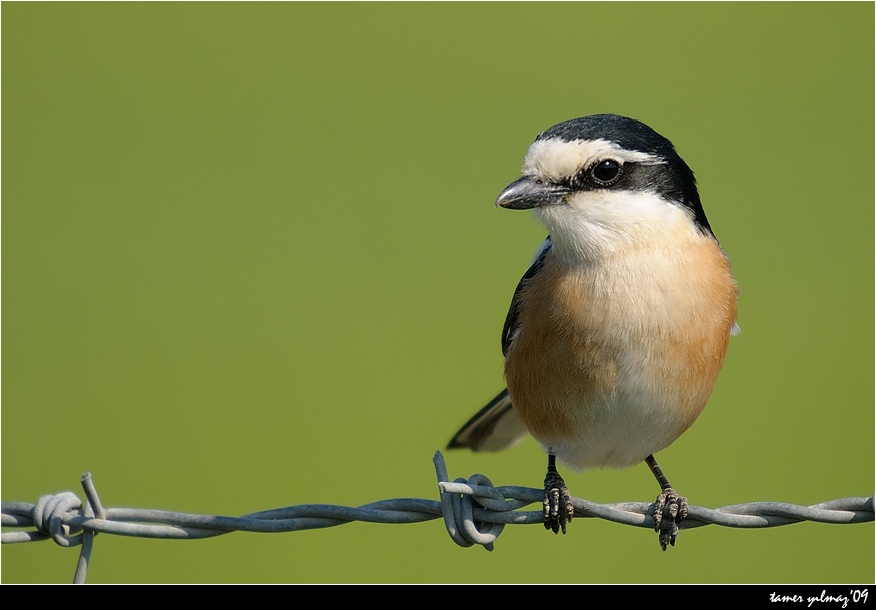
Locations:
{"points": [[474, 512]]}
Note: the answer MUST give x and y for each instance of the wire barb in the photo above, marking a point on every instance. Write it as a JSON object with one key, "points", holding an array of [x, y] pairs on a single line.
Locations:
{"points": [[473, 510]]}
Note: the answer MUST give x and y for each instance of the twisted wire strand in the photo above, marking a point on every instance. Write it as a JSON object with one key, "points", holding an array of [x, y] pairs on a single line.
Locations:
{"points": [[474, 513]]}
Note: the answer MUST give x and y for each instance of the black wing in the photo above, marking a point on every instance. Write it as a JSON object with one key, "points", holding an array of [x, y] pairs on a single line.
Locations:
{"points": [[509, 331], [497, 426]]}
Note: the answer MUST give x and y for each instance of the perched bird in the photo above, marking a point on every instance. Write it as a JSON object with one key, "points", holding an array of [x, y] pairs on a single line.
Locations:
{"points": [[618, 330]]}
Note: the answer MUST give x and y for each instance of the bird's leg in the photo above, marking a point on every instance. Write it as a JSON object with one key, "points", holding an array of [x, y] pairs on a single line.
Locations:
{"points": [[558, 509], [670, 509]]}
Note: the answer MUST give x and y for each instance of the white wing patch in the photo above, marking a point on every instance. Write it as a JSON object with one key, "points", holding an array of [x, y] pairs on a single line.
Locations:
{"points": [[540, 250]]}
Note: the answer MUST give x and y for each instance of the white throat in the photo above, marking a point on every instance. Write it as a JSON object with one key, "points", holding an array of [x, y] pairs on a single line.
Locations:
{"points": [[597, 224]]}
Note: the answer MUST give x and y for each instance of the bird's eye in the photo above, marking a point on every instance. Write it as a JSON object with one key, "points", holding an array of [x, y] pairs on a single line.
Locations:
{"points": [[606, 172]]}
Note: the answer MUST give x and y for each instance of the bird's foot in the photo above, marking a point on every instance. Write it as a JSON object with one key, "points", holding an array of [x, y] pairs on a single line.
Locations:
{"points": [[558, 509], [670, 510]]}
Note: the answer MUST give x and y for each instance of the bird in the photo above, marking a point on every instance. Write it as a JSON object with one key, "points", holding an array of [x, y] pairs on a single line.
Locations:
{"points": [[618, 330]]}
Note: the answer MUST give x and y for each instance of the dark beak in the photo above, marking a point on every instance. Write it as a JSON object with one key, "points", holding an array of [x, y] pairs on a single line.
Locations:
{"points": [[528, 193]]}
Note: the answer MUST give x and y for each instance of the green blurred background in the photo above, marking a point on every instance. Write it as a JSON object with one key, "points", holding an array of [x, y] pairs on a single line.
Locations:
{"points": [[250, 259]]}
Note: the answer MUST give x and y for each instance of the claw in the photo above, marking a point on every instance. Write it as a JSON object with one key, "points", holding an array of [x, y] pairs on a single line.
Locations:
{"points": [[670, 510], [557, 508]]}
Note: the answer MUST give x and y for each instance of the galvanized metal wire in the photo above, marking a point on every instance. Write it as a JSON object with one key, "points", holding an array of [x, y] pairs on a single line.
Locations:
{"points": [[474, 512]]}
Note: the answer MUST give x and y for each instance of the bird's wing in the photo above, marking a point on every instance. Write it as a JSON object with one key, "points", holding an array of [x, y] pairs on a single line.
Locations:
{"points": [[497, 426], [512, 325]]}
